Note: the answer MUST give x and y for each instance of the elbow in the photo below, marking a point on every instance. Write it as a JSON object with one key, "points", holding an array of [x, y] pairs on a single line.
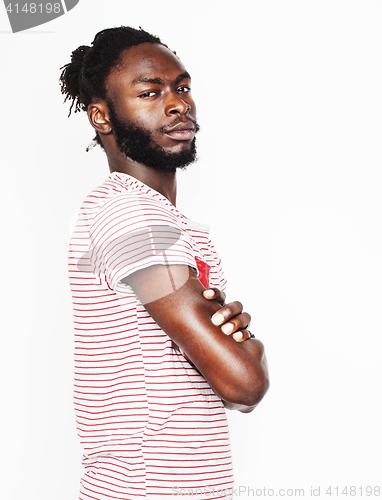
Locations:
{"points": [[257, 392], [249, 387], [249, 393]]}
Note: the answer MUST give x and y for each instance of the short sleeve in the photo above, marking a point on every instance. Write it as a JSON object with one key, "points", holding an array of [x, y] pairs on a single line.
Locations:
{"points": [[132, 232]]}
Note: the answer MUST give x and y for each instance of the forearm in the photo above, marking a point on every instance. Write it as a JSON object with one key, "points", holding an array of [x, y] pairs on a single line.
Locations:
{"points": [[236, 371]]}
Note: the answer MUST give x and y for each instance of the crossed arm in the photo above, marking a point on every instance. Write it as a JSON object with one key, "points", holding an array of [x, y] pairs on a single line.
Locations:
{"points": [[235, 367]]}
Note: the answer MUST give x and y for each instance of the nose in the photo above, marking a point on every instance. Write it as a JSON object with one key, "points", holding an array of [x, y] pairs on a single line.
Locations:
{"points": [[176, 105]]}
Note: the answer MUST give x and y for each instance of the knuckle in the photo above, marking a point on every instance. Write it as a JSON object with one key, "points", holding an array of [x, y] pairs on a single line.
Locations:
{"points": [[227, 311], [236, 307], [239, 305]]}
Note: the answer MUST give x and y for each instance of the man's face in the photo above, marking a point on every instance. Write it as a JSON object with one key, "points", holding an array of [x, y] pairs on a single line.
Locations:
{"points": [[151, 109]]}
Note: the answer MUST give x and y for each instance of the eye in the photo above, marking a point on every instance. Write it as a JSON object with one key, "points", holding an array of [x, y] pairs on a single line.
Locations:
{"points": [[149, 93], [184, 89]]}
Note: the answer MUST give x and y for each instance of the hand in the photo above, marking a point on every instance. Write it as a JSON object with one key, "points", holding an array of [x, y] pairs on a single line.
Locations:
{"points": [[231, 318]]}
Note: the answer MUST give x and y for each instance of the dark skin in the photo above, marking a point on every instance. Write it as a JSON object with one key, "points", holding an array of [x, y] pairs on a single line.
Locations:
{"points": [[151, 88]]}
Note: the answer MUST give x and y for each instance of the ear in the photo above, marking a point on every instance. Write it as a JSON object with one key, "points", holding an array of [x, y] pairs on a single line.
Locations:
{"points": [[98, 115]]}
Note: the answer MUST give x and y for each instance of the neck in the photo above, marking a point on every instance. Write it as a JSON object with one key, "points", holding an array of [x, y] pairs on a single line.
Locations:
{"points": [[162, 181]]}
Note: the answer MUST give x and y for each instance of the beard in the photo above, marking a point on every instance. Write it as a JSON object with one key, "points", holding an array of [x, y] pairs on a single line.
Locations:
{"points": [[136, 143]]}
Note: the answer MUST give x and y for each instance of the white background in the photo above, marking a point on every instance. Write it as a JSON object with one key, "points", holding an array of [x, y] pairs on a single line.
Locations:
{"points": [[289, 178]]}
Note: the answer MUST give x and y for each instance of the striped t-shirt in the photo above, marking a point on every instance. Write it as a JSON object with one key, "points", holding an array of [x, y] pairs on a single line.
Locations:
{"points": [[149, 422]]}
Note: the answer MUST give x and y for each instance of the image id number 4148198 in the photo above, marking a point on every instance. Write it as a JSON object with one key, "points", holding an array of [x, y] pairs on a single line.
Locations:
{"points": [[34, 8], [351, 491]]}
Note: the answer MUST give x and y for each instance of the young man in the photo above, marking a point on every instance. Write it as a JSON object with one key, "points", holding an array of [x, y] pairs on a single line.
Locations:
{"points": [[158, 354]]}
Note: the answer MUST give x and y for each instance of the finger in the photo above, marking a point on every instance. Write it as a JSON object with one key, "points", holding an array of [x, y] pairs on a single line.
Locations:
{"points": [[227, 312], [240, 322], [185, 355], [243, 335], [214, 293], [175, 346]]}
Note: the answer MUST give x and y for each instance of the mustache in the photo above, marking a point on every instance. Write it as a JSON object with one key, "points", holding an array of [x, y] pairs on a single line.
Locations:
{"points": [[165, 129]]}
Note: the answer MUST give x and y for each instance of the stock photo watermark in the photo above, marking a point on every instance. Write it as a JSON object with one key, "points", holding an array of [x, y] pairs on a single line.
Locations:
{"points": [[25, 15], [248, 492]]}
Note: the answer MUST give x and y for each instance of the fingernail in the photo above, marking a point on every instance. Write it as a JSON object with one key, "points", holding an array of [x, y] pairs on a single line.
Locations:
{"points": [[208, 294], [227, 328], [217, 319], [238, 335]]}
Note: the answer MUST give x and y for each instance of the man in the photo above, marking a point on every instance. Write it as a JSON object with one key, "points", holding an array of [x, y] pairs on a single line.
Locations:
{"points": [[158, 355]]}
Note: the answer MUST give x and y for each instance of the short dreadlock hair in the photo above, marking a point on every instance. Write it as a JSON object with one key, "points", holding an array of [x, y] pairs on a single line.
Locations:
{"points": [[84, 78]]}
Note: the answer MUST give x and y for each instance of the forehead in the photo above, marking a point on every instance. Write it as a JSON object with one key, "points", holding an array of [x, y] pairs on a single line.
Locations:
{"points": [[147, 60]]}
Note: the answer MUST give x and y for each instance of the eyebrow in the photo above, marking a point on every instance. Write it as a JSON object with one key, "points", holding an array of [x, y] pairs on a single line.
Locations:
{"points": [[159, 81]]}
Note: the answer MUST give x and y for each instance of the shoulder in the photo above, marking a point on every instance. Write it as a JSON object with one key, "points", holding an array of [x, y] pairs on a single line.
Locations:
{"points": [[136, 209], [122, 198]]}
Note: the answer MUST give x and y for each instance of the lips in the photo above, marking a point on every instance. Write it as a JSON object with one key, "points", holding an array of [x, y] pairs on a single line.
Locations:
{"points": [[181, 131]]}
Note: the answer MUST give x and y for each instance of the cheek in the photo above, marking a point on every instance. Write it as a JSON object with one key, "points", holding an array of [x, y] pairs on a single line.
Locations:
{"points": [[136, 112], [145, 118]]}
